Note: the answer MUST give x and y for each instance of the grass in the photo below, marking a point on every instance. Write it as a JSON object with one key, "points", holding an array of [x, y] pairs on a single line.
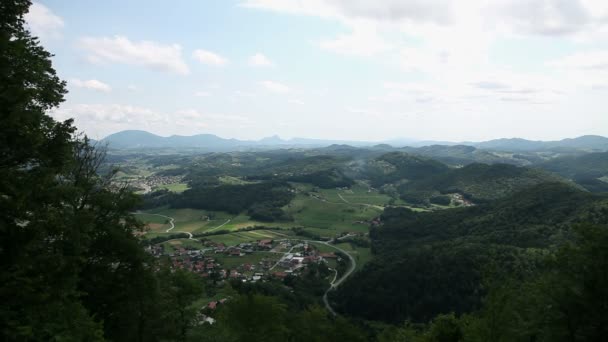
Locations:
{"points": [[232, 239], [361, 254], [233, 180], [174, 187], [340, 217]]}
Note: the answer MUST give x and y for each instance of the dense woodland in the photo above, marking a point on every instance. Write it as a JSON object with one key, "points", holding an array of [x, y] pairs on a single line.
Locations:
{"points": [[527, 262]]}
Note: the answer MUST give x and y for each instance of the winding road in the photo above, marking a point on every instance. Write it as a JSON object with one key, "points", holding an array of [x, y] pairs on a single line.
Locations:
{"points": [[171, 222], [335, 283]]}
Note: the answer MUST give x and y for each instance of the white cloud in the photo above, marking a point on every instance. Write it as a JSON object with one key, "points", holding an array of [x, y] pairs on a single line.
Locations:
{"points": [[202, 93], [386, 10], [209, 58], [583, 60], [120, 49], [99, 120], [43, 22], [296, 102], [360, 42], [275, 87], [132, 87], [91, 84], [260, 60]]}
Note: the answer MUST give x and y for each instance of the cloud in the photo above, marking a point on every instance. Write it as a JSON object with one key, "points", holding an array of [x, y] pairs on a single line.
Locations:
{"points": [[99, 120], [363, 42], [385, 10], [132, 87], [543, 17], [296, 102], [91, 84], [202, 94], [43, 23], [275, 87], [209, 58], [149, 54], [260, 60], [591, 60]]}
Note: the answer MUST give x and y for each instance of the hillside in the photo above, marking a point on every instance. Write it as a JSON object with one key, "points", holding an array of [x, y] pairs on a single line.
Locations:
{"points": [[478, 182], [431, 263], [589, 170], [399, 166], [586, 142]]}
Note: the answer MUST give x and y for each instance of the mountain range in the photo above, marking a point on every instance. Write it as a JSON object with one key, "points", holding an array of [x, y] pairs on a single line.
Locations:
{"points": [[136, 139]]}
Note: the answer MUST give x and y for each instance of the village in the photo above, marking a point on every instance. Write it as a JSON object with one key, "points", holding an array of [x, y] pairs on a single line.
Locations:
{"points": [[248, 262]]}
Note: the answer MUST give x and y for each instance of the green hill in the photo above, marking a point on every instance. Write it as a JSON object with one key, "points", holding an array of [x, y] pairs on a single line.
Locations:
{"points": [[589, 170], [478, 182], [399, 166], [431, 263]]}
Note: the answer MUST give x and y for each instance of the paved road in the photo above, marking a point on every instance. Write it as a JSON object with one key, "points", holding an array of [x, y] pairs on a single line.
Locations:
{"points": [[335, 283], [171, 222]]}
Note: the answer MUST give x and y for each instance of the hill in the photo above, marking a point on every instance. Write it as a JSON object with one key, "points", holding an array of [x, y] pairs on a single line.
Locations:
{"points": [[431, 263], [589, 170], [586, 142], [477, 182], [399, 166]]}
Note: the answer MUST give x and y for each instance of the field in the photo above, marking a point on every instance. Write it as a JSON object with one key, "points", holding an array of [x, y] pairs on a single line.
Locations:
{"points": [[361, 254], [313, 211], [324, 212], [174, 187]]}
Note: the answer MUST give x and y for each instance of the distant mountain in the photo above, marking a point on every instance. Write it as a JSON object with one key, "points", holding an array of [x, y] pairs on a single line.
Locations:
{"points": [[586, 142], [134, 139], [142, 139]]}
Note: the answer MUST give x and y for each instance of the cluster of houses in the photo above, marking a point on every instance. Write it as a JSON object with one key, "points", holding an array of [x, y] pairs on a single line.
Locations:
{"points": [[294, 256], [146, 184]]}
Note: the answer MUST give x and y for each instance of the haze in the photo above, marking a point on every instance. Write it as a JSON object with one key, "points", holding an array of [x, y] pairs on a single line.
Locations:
{"points": [[359, 70]]}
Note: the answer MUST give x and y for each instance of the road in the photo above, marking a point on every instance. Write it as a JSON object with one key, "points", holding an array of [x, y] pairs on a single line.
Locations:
{"points": [[335, 283], [220, 226], [171, 222]]}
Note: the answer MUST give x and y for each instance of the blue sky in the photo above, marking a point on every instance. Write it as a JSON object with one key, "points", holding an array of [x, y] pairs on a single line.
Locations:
{"points": [[338, 69]]}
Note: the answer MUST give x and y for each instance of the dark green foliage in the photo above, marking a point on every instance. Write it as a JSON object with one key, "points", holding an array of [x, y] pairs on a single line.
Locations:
{"points": [[432, 263], [567, 301], [396, 166], [235, 198], [268, 212], [481, 182], [584, 169], [325, 179], [440, 200]]}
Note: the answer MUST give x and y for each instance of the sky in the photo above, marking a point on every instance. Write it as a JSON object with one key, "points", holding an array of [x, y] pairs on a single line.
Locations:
{"points": [[369, 70]]}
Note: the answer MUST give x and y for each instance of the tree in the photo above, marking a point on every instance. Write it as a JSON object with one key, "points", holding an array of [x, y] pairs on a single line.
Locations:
{"points": [[39, 253], [256, 318]]}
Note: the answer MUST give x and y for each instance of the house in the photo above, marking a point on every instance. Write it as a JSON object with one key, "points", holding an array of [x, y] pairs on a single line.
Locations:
{"points": [[328, 255]]}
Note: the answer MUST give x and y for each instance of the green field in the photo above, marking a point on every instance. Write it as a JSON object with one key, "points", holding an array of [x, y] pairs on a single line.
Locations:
{"points": [[361, 254], [340, 217], [236, 238], [173, 187], [325, 212]]}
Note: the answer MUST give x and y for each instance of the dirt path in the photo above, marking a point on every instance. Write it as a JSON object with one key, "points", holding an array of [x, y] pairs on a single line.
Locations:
{"points": [[220, 226]]}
